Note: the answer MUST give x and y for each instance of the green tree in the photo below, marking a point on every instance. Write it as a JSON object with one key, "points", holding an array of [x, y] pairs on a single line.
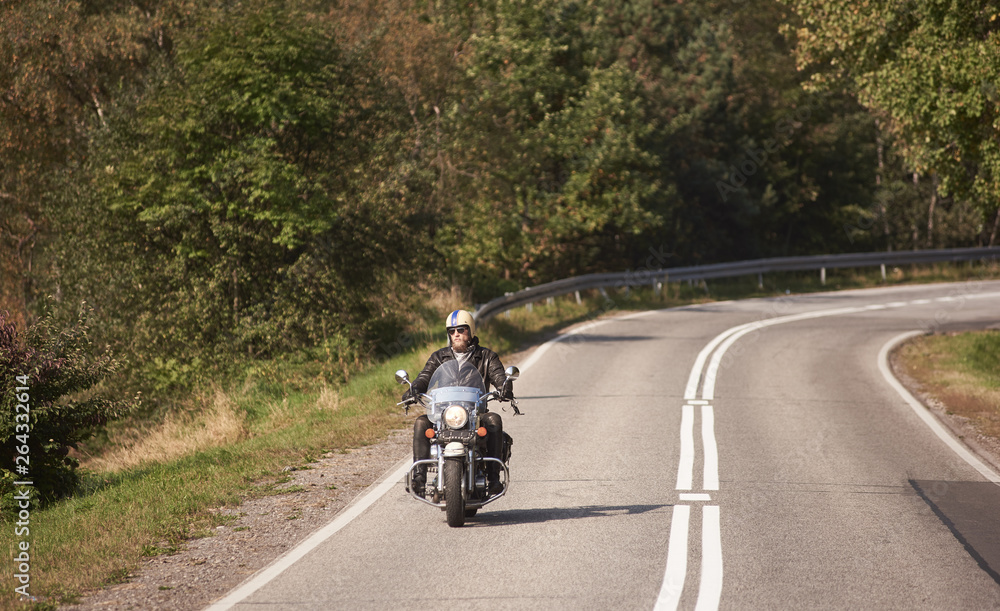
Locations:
{"points": [[252, 201], [930, 68], [63, 66], [552, 171], [682, 55], [51, 86], [758, 166]]}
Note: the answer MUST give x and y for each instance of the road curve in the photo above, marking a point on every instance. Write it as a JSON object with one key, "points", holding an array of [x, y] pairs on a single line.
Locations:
{"points": [[738, 455]]}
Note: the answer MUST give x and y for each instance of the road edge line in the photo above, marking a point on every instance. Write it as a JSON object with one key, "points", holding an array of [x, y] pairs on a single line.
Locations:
{"points": [[925, 414], [356, 508]]}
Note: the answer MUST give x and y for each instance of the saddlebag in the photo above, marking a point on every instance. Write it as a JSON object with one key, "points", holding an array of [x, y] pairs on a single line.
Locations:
{"points": [[507, 442]]}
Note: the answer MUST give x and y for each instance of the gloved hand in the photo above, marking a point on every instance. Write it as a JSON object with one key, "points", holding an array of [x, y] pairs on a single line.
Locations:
{"points": [[409, 396], [507, 392]]}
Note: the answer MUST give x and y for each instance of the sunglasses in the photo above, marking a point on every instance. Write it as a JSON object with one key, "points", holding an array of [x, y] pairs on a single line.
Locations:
{"points": [[458, 330]]}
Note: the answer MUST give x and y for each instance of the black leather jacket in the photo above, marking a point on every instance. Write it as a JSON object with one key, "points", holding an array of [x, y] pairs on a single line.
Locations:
{"points": [[484, 359]]}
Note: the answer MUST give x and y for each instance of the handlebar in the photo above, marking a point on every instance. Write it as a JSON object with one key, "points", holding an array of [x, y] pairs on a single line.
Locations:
{"points": [[513, 402], [406, 403]]}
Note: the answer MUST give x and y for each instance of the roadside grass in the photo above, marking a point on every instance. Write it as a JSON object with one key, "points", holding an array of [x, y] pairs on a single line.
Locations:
{"points": [[220, 422], [962, 371], [146, 506], [155, 486]]}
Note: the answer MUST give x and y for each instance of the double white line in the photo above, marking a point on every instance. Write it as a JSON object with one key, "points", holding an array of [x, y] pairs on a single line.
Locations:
{"points": [[710, 588]]}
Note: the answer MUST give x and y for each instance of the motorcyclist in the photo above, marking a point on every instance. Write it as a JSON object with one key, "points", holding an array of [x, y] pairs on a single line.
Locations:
{"points": [[463, 345]]}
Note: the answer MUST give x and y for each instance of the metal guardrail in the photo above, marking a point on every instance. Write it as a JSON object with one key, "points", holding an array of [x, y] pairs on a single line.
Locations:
{"points": [[644, 277]]}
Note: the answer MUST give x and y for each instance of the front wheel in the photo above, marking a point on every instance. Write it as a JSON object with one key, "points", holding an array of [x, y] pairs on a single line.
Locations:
{"points": [[454, 497]]}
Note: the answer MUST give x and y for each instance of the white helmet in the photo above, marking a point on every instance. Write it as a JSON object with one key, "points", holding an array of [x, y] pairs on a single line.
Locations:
{"points": [[459, 318]]}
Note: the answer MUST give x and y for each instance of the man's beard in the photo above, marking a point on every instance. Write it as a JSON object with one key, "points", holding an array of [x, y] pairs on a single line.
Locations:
{"points": [[461, 343]]}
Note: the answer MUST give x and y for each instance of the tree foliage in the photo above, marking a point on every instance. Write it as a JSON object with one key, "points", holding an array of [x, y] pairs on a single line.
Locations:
{"points": [[930, 67], [63, 65], [254, 201], [554, 172]]}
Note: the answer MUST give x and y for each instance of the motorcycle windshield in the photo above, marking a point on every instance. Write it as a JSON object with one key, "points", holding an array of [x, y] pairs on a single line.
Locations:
{"points": [[451, 373], [454, 384]]}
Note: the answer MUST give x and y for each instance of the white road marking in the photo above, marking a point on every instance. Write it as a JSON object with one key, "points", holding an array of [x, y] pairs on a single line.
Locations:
{"points": [[537, 354], [685, 468], [980, 295], [710, 590], [710, 448], [694, 496], [728, 338], [369, 498], [691, 390], [709, 595], [677, 556], [677, 549], [277, 567]]}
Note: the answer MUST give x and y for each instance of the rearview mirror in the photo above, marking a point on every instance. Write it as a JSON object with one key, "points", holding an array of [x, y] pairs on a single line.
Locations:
{"points": [[402, 377], [512, 373]]}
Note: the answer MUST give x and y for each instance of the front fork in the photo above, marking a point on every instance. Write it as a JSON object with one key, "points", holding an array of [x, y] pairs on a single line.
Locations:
{"points": [[470, 481]]}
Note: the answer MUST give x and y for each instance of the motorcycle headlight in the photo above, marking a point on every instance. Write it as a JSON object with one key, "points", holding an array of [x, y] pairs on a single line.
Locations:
{"points": [[455, 416]]}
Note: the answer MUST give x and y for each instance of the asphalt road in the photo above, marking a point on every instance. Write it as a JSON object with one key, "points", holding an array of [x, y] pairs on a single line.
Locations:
{"points": [[741, 455]]}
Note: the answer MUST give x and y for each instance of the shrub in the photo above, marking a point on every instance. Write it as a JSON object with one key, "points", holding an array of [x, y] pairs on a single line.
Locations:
{"points": [[58, 375]]}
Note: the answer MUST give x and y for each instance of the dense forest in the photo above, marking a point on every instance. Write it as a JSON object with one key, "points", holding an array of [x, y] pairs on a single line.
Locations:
{"points": [[222, 178]]}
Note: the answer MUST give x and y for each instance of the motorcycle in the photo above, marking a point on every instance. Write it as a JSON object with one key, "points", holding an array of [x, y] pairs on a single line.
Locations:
{"points": [[457, 470]]}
